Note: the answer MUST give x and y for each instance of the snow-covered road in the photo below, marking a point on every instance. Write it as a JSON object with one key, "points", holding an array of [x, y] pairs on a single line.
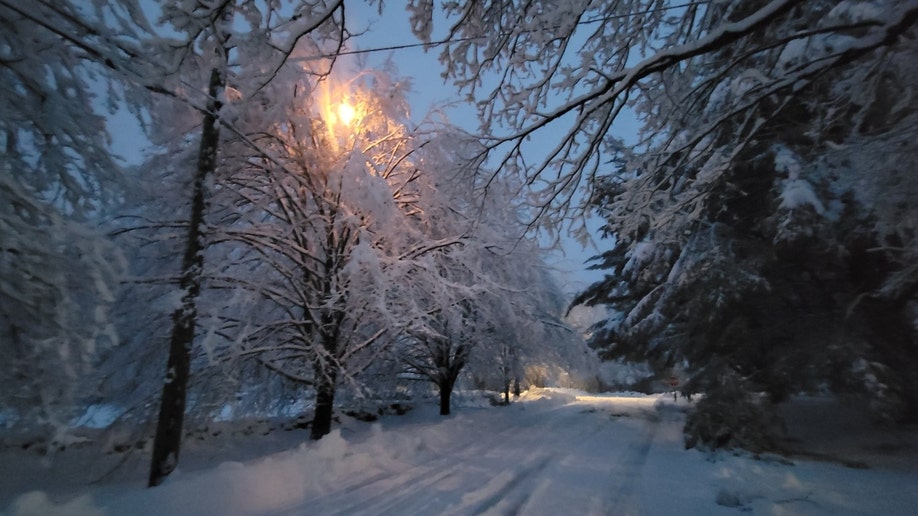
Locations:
{"points": [[571, 458], [555, 452]]}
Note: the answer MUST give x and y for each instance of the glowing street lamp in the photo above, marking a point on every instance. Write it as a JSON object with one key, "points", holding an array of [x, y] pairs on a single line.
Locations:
{"points": [[340, 113], [346, 113]]}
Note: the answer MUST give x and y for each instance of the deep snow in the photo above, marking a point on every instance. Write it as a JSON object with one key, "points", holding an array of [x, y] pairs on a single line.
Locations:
{"points": [[553, 452]]}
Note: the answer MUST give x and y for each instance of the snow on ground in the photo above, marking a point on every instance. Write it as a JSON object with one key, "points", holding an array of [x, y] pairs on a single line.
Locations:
{"points": [[554, 452]]}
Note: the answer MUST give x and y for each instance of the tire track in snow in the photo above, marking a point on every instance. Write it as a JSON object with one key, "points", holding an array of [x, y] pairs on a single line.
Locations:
{"points": [[483, 473], [391, 488], [552, 448], [627, 476], [496, 493], [413, 491], [577, 482]]}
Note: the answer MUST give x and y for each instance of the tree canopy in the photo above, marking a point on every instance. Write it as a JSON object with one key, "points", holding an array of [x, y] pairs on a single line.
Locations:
{"points": [[759, 232]]}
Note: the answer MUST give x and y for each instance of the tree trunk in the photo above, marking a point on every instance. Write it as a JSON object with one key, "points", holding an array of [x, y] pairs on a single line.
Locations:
{"points": [[325, 401], [167, 441], [893, 337], [446, 391]]}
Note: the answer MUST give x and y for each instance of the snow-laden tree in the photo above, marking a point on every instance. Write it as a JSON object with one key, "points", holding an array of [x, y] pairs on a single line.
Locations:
{"points": [[323, 227], [776, 280], [443, 285], [185, 55], [488, 307], [58, 179], [440, 346], [222, 50], [484, 311], [694, 73], [749, 239], [526, 339]]}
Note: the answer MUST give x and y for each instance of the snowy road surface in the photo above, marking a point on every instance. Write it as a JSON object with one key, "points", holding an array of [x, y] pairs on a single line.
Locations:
{"points": [[558, 459], [553, 453]]}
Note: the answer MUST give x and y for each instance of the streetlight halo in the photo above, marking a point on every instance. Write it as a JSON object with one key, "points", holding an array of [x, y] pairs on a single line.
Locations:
{"points": [[346, 113]]}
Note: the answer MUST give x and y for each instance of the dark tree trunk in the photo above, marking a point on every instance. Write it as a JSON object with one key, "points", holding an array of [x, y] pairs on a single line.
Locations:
{"points": [[446, 392], [894, 340], [326, 369], [448, 366], [325, 401], [168, 438]]}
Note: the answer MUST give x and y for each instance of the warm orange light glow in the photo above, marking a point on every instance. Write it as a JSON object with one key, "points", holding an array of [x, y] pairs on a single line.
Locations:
{"points": [[346, 113]]}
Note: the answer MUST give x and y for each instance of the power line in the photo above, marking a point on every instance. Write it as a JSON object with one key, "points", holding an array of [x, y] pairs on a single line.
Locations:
{"points": [[473, 38]]}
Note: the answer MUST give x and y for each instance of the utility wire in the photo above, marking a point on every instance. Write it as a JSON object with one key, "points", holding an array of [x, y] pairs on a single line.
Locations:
{"points": [[473, 38]]}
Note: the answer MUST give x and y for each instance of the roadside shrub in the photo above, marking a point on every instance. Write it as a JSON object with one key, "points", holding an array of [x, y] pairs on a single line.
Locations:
{"points": [[729, 418]]}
